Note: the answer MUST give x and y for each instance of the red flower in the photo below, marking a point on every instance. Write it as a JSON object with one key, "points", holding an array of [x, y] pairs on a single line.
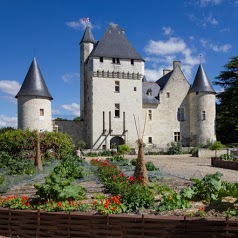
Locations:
{"points": [[114, 176], [131, 178], [142, 178], [201, 209], [59, 204], [121, 175]]}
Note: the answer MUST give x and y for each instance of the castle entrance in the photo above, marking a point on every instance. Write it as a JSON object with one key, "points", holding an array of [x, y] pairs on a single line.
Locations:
{"points": [[116, 141]]}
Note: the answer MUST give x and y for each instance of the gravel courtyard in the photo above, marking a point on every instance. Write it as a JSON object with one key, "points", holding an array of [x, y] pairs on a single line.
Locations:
{"points": [[186, 166]]}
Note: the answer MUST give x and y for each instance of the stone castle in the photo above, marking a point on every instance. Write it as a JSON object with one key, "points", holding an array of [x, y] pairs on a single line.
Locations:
{"points": [[118, 105]]}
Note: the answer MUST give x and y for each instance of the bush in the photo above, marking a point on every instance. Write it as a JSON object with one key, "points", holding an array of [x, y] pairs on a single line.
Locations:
{"points": [[175, 148], [123, 149], [150, 166], [227, 157], [1, 180], [194, 151]]}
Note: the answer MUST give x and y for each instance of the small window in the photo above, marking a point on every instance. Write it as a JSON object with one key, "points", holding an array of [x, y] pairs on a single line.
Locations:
{"points": [[132, 61], [203, 115], [135, 89], [118, 61], [113, 60], [176, 136], [150, 114], [168, 94], [101, 59], [197, 93], [42, 112], [117, 86], [180, 114], [150, 140], [149, 92], [117, 110]]}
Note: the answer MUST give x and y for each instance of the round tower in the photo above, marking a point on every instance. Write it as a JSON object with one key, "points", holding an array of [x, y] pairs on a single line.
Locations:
{"points": [[34, 102], [202, 110], [86, 46]]}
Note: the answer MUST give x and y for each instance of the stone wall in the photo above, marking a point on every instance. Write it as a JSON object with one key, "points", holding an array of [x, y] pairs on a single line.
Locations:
{"points": [[207, 153]]}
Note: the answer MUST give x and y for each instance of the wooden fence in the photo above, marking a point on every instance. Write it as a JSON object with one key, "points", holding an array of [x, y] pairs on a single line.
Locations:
{"points": [[28, 224]]}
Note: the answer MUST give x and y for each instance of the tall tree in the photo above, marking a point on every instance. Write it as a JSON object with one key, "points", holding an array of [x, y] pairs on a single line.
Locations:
{"points": [[227, 106]]}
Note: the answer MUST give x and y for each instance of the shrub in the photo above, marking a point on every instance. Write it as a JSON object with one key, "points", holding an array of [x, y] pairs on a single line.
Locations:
{"points": [[150, 166], [175, 148], [194, 151], [123, 149], [216, 146], [133, 162], [227, 157], [1, 179]]}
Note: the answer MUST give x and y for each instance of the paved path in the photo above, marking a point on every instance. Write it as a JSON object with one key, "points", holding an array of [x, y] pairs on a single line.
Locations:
{"points": [[186, 166]]}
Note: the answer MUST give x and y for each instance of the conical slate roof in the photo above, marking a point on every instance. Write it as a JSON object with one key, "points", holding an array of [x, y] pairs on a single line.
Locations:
{"points": [[201, 83], [88, 36], [34, 83], [114, 44]]}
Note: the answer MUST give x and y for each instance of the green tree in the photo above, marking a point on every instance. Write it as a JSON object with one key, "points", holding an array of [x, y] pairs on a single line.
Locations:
{"points": [[216, 146], [227, 107], [123, 149]]}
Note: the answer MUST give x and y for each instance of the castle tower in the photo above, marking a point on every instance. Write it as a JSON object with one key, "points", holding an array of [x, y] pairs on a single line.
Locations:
{"points": [[34, 102], [86, 46], [202, 109]]}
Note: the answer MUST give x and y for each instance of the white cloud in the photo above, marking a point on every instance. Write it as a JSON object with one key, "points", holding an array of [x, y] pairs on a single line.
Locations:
{"points": [[152, 75], [70, 76], [211, 20], [74, 108], [212, 2], [9, 87], [167, 30], [79, 24], [214, 47], [172, 46], [6, 121]]}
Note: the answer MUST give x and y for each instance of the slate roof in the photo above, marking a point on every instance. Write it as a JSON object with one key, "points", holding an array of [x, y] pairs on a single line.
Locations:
{"points": [[164, 79], [88, 36], [34, 83], [114, 44], [150, 93], [201, 82]]}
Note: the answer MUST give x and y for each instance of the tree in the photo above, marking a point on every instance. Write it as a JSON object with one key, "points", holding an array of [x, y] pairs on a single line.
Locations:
{"points": [[227, 107], [123, 149], [216, 146]]}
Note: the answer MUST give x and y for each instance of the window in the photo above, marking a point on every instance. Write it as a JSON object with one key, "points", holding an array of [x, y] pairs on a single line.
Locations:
{"points": [[149, 92], [42, 112], [168, 94], [197, 93], [132, 61], [117, 86], [115, 60], [117, 110], [176, 136], [180, 114], [150, 140], [135, 89], [203, 115], [150, 114], [101, 59]]}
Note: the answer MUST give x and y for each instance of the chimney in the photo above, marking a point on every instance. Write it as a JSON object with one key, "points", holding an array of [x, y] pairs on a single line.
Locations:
{"points": [[165, 71], [176, 64]]}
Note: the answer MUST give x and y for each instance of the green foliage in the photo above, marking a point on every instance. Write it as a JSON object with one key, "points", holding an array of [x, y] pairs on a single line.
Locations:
{"points": [[81, 145], [207, 189], [58, 185], [227, 107], [134, 162], [170, 199], [123, 149], [194, 151], [229, 157], [16, 165], [216, 146], [175, 148], [5, 129], [76, 119], [1, 179], [150, 166]]}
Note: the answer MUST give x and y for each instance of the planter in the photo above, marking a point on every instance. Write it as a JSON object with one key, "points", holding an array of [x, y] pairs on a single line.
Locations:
{"points": [[226, 164]]}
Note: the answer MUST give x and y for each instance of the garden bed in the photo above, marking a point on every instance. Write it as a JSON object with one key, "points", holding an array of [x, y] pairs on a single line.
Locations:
{"points": [[226, 164]]}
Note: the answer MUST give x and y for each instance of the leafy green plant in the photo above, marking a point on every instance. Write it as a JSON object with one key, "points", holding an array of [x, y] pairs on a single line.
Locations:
{"points": [[207, 189], [81, 145], [133, 162], [216, 146], [123, 149], [194, 151], [1, 179], [229, 157], [150, 166], [175, 148]]}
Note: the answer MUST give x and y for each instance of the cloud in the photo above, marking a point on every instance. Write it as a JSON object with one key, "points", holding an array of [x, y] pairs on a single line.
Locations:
{"points": [[162, 53], [167, 30], [217, 48], [74, 108], [10, 87], [70, 76], [172, 46], [211, 20], [6, 121], [204, 3], [79, 24]]}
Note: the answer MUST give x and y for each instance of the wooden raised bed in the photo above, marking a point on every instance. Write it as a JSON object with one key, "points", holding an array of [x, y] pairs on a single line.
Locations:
{"points": [[226, 164]]}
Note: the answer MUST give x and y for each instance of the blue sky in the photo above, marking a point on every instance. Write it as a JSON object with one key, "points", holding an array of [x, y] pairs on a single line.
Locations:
{"points": [[160, 30]]}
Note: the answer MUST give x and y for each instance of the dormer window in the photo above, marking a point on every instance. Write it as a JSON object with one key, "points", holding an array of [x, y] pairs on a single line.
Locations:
{"points": [[132, 61], [115, 60], [149, 92], [101, 59]]}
